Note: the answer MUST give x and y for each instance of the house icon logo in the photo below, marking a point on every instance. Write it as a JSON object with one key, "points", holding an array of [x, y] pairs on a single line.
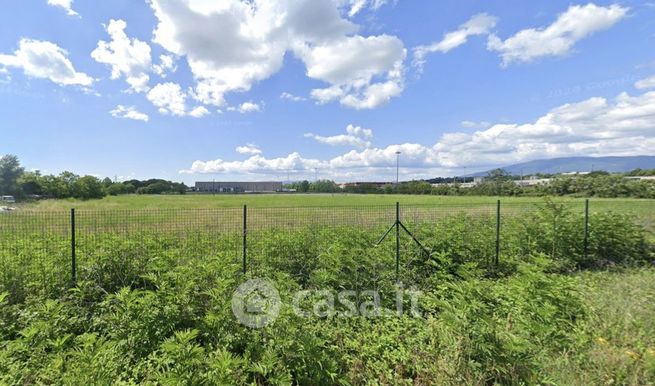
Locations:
{"points": [[256, 303]]}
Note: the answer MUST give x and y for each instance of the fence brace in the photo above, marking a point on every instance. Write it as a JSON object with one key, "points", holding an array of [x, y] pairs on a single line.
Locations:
{"points": [[398, 225]]}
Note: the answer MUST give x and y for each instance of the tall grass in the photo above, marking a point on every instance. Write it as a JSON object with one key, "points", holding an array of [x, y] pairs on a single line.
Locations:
{"points": [[155, 307]]}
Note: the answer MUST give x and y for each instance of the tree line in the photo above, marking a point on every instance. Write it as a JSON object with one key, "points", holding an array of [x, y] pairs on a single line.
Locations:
{"points": [[499, 182], [16, 181]]}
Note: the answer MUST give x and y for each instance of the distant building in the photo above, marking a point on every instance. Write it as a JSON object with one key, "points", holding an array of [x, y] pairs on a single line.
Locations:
{"points": [[575, 173], [238, 187], [534, 181]]}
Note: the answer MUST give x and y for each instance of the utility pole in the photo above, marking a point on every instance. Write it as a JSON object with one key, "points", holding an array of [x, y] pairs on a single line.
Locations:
{"points": [[397, 168]]}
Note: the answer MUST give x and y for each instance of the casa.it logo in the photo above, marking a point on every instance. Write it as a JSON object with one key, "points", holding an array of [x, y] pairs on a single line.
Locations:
{"points": [[256, 303]]}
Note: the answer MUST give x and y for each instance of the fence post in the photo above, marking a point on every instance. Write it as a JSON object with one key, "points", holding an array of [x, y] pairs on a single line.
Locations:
{"points": [[397, 241], [73, 257], [586, 228], [245, 237], [497, 232]]}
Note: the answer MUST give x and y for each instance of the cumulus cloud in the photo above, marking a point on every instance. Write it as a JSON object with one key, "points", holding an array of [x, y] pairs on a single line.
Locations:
{"points": [[67, 5], [166, 65], [291, 97], [356, 137], [593, 127], [350, 65], [248, 149], [246, 107], [255, 164], [646, 83], [234, 44], [127, 57], [169, 98], [129, 112], [480, 24], [198, 112], [45, 60], [578, 22]]}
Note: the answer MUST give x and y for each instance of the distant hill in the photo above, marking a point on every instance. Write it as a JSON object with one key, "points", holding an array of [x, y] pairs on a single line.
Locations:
{"points": [[579, 164]]}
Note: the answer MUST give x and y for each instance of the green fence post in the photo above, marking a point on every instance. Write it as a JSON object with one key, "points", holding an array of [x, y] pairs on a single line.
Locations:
{"points": [[73, 257], [245, 237], [397, 241], [497, 232], [586, 228]]}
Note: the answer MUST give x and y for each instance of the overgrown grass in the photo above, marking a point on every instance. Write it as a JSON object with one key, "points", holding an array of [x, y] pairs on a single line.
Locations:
{"points": [[155, 308], [618, 337]]}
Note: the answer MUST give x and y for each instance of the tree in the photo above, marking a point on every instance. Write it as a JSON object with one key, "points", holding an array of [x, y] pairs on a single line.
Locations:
{"points": [[10, 171], [107, 182], [88, 187], [30, 183]]}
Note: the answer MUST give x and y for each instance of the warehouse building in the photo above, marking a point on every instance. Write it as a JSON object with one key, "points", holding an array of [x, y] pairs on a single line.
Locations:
{"points": [[238, 187]]}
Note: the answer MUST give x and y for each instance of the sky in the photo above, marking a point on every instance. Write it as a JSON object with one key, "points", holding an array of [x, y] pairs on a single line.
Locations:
{"points": [[193, 90]]}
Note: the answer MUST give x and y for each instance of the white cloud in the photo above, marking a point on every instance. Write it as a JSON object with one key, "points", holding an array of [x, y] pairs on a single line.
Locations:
{"points": [[248, 149], [291, 97], [350, 65], [358, 131], [356, 137], [646, 83], [356, 6], [169, 98], [578, 22], [166, 65], [480, 24], [46, 60], [475, 125], [127, 57], [233, 44], [246, 107], [199, 112], [255, 164], [594, 127], [129, 112], [67, 5]]}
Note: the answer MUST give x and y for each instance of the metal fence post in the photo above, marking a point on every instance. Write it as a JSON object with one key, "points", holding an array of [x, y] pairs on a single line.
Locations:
{"points": [[245, 237], [497, 232], [397, 241], [586, 228], [73, 257]]}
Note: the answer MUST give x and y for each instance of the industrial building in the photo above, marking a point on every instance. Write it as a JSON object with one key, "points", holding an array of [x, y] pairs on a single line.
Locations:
{"points": [[238, 187]]}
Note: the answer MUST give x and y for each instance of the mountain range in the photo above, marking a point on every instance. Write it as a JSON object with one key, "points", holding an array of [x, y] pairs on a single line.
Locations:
{"points": [[578, 164]]}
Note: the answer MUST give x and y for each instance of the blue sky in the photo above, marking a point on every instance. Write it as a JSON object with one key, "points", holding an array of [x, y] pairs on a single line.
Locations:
{"points": [[199, 90]]}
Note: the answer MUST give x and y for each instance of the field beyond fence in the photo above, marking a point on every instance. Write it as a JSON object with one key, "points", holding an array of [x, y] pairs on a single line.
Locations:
{"points": [[50, 250]]}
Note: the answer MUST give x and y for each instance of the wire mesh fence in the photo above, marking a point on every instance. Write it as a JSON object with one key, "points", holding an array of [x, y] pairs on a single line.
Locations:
{"points": [[47, 251]]}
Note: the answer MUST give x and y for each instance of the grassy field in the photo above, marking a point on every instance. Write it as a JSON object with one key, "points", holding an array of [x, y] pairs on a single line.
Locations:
{"points": [[306, 200], [153, 304], [272, 206]]}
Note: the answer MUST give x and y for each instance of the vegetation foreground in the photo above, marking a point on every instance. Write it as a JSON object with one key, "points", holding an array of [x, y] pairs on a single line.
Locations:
{"points": [[146, 311]]}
